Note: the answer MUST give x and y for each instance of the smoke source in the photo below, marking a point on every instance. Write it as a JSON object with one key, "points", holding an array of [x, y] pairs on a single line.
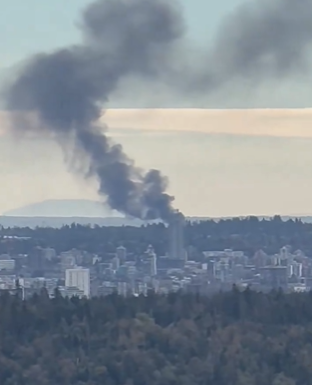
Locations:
{"points": [[67, 89]]}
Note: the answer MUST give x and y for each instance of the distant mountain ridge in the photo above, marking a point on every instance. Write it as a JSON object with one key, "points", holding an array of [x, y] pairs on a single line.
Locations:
{"points": [[57, 222], [64, 208], [59, 212]]}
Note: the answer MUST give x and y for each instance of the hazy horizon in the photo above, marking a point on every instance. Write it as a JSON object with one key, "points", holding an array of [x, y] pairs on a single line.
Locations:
{"points": [[215, 168], [77, 209]]}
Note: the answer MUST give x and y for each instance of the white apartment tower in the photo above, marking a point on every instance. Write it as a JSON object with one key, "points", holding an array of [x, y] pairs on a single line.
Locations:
{"points": [[176, 236], [79, 278], [152, 258], [121, 254]]}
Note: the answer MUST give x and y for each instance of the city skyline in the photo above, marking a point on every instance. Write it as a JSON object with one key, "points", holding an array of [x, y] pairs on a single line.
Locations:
{"points": [[184, 128]]}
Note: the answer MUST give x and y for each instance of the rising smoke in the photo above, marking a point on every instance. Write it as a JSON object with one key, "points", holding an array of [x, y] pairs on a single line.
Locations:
{"points": [[264, 39], [67, 89]]}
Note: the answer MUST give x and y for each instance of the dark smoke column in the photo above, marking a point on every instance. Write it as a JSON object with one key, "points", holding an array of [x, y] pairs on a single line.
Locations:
{"points": [[67, 88]]}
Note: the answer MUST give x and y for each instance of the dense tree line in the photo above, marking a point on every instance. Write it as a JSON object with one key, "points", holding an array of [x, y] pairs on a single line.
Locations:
{"points": [[233, 338], [248, 235]]}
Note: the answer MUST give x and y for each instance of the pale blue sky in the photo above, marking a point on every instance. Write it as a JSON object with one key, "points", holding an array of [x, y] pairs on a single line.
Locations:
{"points": [[30, 26]]}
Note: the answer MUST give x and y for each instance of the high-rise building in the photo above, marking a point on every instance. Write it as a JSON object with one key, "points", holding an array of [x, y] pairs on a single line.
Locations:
{"points": [[121, 254], [176, 236], [150, 260], [79, 278], [49, 253], [115, 263], [37, 262], [7, 264]]}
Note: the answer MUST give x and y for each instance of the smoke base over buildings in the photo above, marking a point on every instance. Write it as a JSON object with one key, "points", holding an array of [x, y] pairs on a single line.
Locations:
{"points": [[67, 89]]}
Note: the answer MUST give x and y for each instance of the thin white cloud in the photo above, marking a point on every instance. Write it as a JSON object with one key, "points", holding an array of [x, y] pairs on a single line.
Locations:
{"points": [[254, 122]]}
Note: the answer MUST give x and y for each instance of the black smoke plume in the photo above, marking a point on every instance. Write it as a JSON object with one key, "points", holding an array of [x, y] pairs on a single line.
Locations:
{"points": [[68, 88], [264, 39], [260, 41]]}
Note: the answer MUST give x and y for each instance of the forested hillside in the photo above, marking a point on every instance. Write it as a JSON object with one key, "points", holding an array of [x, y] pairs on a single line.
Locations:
{"points": [[247, 234], [234, 338]]}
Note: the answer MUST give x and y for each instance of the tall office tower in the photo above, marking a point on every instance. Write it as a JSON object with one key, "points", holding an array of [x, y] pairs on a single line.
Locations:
{"points": [[115, 263], [79, 278], [121, 254], [176, 236], [151, 258]]}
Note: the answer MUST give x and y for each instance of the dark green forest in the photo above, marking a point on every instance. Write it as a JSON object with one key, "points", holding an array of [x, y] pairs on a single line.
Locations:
{"points": [[248, 235], [231, 338]]}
